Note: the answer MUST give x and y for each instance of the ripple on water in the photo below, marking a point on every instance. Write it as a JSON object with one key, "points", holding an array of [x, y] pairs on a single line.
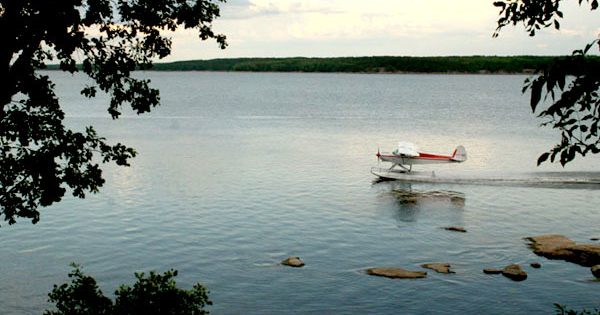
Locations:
{"points": [[230, 182]]}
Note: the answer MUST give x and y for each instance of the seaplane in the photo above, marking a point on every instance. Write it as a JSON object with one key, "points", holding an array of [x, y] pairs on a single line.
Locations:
{"points": [[407, 154]]}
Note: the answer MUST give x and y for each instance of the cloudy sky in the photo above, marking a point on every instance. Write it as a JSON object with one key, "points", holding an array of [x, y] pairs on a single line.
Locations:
{"points": [[325, 28]]}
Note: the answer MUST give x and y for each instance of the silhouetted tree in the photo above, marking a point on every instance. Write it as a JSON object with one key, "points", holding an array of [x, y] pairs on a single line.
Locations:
{"points": [[566, 91], [39, 156], [154, 294]]}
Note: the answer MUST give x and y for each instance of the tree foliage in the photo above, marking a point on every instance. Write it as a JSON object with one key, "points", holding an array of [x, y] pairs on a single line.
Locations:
{"points": [[564, 92], [152, 294], [39, 157], [563, 310]]}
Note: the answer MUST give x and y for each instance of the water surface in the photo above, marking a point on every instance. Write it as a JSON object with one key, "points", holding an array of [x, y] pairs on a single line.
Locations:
{"points": [[237, 171]]}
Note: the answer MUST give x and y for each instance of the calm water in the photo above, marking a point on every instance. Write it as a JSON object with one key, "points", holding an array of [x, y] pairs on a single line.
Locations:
{"points": [[237, 171]]}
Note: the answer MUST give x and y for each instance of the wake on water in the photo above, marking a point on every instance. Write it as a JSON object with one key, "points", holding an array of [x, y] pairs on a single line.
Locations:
{"points": [[573, 180]]}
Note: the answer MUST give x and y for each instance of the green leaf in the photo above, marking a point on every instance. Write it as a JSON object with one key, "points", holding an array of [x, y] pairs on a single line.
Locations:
{"points": [[536, 93], [588, 46], [543, 158], [561, 81], [500, 4]]}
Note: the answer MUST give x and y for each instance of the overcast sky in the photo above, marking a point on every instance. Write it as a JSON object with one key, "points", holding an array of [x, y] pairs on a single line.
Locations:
{"points": [[326, 28]]}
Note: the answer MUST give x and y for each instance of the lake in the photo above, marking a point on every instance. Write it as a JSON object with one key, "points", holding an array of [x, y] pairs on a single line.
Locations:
{"points": [[237, 171]]}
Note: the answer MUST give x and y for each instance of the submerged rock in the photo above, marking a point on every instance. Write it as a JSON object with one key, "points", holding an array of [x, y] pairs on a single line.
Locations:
{"points": [[456, 229], [596, 271], [399, 273], [554, 246], [438, 267], [514, 272], [536, 265], [293, 262], [492, 271]]}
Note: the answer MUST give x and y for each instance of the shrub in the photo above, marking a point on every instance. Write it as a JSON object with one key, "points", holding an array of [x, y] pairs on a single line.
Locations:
{"points": [[154, 294]]}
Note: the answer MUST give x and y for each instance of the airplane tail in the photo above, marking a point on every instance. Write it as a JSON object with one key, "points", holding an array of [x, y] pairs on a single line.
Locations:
{"points": [[460, 154]]}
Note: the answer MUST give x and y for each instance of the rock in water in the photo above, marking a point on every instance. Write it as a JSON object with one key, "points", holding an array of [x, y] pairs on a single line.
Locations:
{"points": [[456, 229], [439, 267], [492, 271], [399, 273], [536, 265], [596, 271], [293, 262], [555, 246], [514, 272], [549, 244]]}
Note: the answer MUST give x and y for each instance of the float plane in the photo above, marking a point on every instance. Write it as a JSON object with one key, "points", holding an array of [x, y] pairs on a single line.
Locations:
{"points": [[407, 154]]}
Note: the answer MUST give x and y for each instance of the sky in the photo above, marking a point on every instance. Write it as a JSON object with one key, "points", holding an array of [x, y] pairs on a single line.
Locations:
{"points": [[332, 28]]}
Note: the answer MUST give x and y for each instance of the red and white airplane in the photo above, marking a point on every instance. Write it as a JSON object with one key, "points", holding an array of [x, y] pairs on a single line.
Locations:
{"points": [[407, 154]]}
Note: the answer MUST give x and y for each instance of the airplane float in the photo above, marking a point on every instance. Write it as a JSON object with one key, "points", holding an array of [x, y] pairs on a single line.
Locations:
{"points": [[407, 154]]}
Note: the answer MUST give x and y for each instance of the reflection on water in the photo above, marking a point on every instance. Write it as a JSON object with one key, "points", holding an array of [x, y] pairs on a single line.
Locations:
{"points": [[568, 180], [439, 203], [411, 202], [413, 197]]}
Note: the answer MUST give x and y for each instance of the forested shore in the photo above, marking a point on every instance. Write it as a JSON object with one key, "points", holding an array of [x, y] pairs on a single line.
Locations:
{"points": [[385, 64]]}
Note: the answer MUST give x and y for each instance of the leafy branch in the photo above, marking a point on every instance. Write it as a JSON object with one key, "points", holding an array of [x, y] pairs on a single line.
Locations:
{"points": [[564, 92]]}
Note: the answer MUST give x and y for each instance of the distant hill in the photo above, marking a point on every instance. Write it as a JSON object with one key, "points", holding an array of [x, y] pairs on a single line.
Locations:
{"points": [[384, 64]]}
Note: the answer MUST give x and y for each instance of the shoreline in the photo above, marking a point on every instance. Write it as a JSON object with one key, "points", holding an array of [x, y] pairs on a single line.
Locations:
{"points": [[366, 65], [333, 72]]}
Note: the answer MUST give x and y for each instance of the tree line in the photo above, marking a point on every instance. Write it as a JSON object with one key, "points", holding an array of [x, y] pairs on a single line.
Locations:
{"points": [[376, 64]]}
